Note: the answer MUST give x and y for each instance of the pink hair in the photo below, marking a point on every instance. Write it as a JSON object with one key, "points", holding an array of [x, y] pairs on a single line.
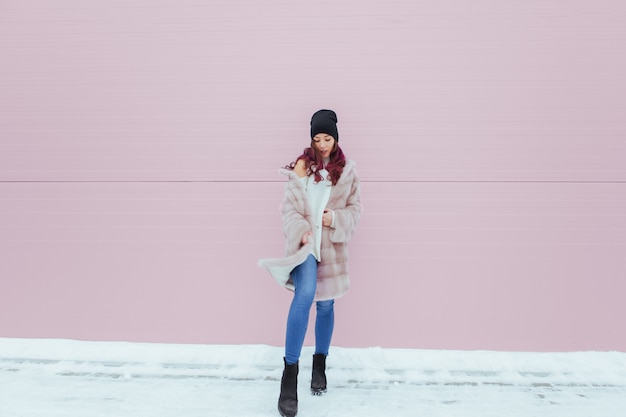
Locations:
{"points": [[314, 163]]}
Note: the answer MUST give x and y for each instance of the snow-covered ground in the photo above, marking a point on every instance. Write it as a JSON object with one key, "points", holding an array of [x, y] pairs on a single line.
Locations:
{"points": [[65, 378]]}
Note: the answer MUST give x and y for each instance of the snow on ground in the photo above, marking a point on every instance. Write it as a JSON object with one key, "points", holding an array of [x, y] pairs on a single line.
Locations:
{"points": [[65, 378]]}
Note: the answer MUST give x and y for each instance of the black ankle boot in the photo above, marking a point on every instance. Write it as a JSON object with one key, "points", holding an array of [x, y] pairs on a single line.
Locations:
{"points": [[288, 400], [318, 378]]}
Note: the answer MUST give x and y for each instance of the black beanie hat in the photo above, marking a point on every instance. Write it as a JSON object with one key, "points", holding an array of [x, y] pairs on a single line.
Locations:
{"points": [[324, 121]]}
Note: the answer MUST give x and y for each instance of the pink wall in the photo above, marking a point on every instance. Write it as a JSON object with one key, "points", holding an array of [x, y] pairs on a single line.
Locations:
{"points": [[140, 142]]}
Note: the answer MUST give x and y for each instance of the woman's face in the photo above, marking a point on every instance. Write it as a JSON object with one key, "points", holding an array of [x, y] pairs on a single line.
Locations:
{"points": [[324, 143]]}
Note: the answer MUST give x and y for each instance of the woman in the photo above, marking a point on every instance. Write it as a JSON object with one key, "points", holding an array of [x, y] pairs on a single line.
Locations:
{"points": [[320, 211]]}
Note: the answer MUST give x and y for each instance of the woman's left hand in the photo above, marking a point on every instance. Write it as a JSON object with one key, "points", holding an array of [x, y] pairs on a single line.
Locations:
{"points": [[327, 217]]}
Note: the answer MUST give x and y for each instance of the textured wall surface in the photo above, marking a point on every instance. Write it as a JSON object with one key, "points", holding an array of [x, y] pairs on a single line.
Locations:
{"points": [[140, 142]]}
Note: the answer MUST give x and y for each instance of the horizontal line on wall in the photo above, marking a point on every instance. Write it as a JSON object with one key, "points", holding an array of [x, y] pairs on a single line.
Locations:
{"points": [[496, 181], [282, 181]]}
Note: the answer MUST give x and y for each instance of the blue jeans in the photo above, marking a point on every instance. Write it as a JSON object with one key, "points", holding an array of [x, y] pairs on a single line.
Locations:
{"points": [[304, 278]]}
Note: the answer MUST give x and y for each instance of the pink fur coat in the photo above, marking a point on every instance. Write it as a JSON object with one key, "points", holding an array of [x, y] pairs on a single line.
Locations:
{"points": [[332, 271]]}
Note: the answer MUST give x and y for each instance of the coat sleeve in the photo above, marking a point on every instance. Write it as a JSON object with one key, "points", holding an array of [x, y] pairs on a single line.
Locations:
{"points": [[295, 222], [347, 218]]}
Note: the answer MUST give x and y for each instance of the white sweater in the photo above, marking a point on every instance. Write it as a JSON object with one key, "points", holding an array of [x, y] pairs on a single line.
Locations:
{"points": [[318, 194]]}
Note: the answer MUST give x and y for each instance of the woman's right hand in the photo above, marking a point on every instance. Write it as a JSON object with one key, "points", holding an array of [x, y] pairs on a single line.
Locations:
{"points": [[305, 238]]}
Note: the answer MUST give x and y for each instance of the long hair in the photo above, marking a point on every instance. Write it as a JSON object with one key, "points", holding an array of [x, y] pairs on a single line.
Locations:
{"points": [[314, 163]]}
